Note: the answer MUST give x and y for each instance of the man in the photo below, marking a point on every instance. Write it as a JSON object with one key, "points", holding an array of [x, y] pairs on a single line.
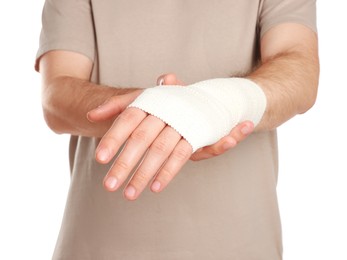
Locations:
{"points": [[97, 56]]}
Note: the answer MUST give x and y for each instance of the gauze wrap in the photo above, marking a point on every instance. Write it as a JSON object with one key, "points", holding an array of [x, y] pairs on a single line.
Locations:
{"points": [[204, 112]]}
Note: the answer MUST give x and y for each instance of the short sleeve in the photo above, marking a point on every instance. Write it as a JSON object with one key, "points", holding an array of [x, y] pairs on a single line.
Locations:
{"points": [[274, 12], [67, 25]]}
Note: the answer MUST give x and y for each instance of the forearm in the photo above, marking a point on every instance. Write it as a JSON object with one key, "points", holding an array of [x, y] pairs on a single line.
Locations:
{"points": [[66, 101], [288, 74], [289, 81]]}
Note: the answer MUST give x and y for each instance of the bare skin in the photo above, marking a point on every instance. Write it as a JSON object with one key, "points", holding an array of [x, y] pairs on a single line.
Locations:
{"points": [[288, 76]]}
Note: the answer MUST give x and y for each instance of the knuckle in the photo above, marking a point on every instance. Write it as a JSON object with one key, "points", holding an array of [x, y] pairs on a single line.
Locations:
{"points": [[194, 158], [121, 165], [160, 146], [140, 179], [215, 152], [109, 143], [111, 140], [181, 153], [127, 115], [139, 135], [218, 152], [166, 175], [237, 135]]}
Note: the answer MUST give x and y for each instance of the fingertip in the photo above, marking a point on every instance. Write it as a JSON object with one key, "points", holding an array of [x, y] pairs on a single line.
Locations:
{"points": [[96, 114], [110, 183], [246, 130], [90, 116], [130, 193], [170, 79], [102, 156], [156, 186]]}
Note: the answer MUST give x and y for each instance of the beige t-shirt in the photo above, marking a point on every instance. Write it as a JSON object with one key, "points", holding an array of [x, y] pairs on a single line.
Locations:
{"points": [[220, 208]]}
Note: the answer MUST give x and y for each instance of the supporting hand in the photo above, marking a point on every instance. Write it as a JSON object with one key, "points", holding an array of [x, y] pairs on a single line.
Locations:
{"points": [[164, 151]]}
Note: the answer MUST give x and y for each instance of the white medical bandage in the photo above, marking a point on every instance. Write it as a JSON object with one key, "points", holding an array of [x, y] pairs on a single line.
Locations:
{"points": [[204, 112]]}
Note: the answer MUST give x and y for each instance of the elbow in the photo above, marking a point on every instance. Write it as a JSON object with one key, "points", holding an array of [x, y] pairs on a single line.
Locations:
{"points": [[52, 121], [51, 112], [310, 96], [309, 99]]}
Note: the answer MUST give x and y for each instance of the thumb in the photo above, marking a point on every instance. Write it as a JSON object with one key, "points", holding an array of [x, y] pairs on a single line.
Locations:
{"points": [[112, 107]]}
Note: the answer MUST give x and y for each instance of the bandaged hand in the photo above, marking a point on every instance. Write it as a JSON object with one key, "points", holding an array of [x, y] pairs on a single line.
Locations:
{"points": [[164, 148], [205, 112]]}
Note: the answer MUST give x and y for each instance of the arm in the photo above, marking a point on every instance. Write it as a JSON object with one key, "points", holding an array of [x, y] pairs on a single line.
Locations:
{"points": [[67, 94], [288, 76]]}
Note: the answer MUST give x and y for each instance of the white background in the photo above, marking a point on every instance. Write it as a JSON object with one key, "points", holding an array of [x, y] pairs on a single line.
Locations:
{"points": [[34, 163]]}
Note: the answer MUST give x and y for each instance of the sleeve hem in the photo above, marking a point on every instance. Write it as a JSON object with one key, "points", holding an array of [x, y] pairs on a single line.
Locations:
{"points": [[303, 22], [82, 48]]}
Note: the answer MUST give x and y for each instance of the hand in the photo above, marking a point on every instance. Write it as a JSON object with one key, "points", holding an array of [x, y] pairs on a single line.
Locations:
{"points": [[164, 151]]}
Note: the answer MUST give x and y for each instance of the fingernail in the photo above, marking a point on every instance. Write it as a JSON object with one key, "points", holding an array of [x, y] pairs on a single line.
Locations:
{"points": [[103, 155], [88, 116], [161, 82], [111, 183], [130, 192], [156, 186], [246, 130]]}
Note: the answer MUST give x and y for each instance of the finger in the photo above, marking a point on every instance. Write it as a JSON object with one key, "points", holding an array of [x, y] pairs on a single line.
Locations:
{"points": [[216, 149], [157, 154], [201, 155], [105, 111], [242, 130], [135, 148], [169, 79], [119, 132], [176, 160], [112, 107]]}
